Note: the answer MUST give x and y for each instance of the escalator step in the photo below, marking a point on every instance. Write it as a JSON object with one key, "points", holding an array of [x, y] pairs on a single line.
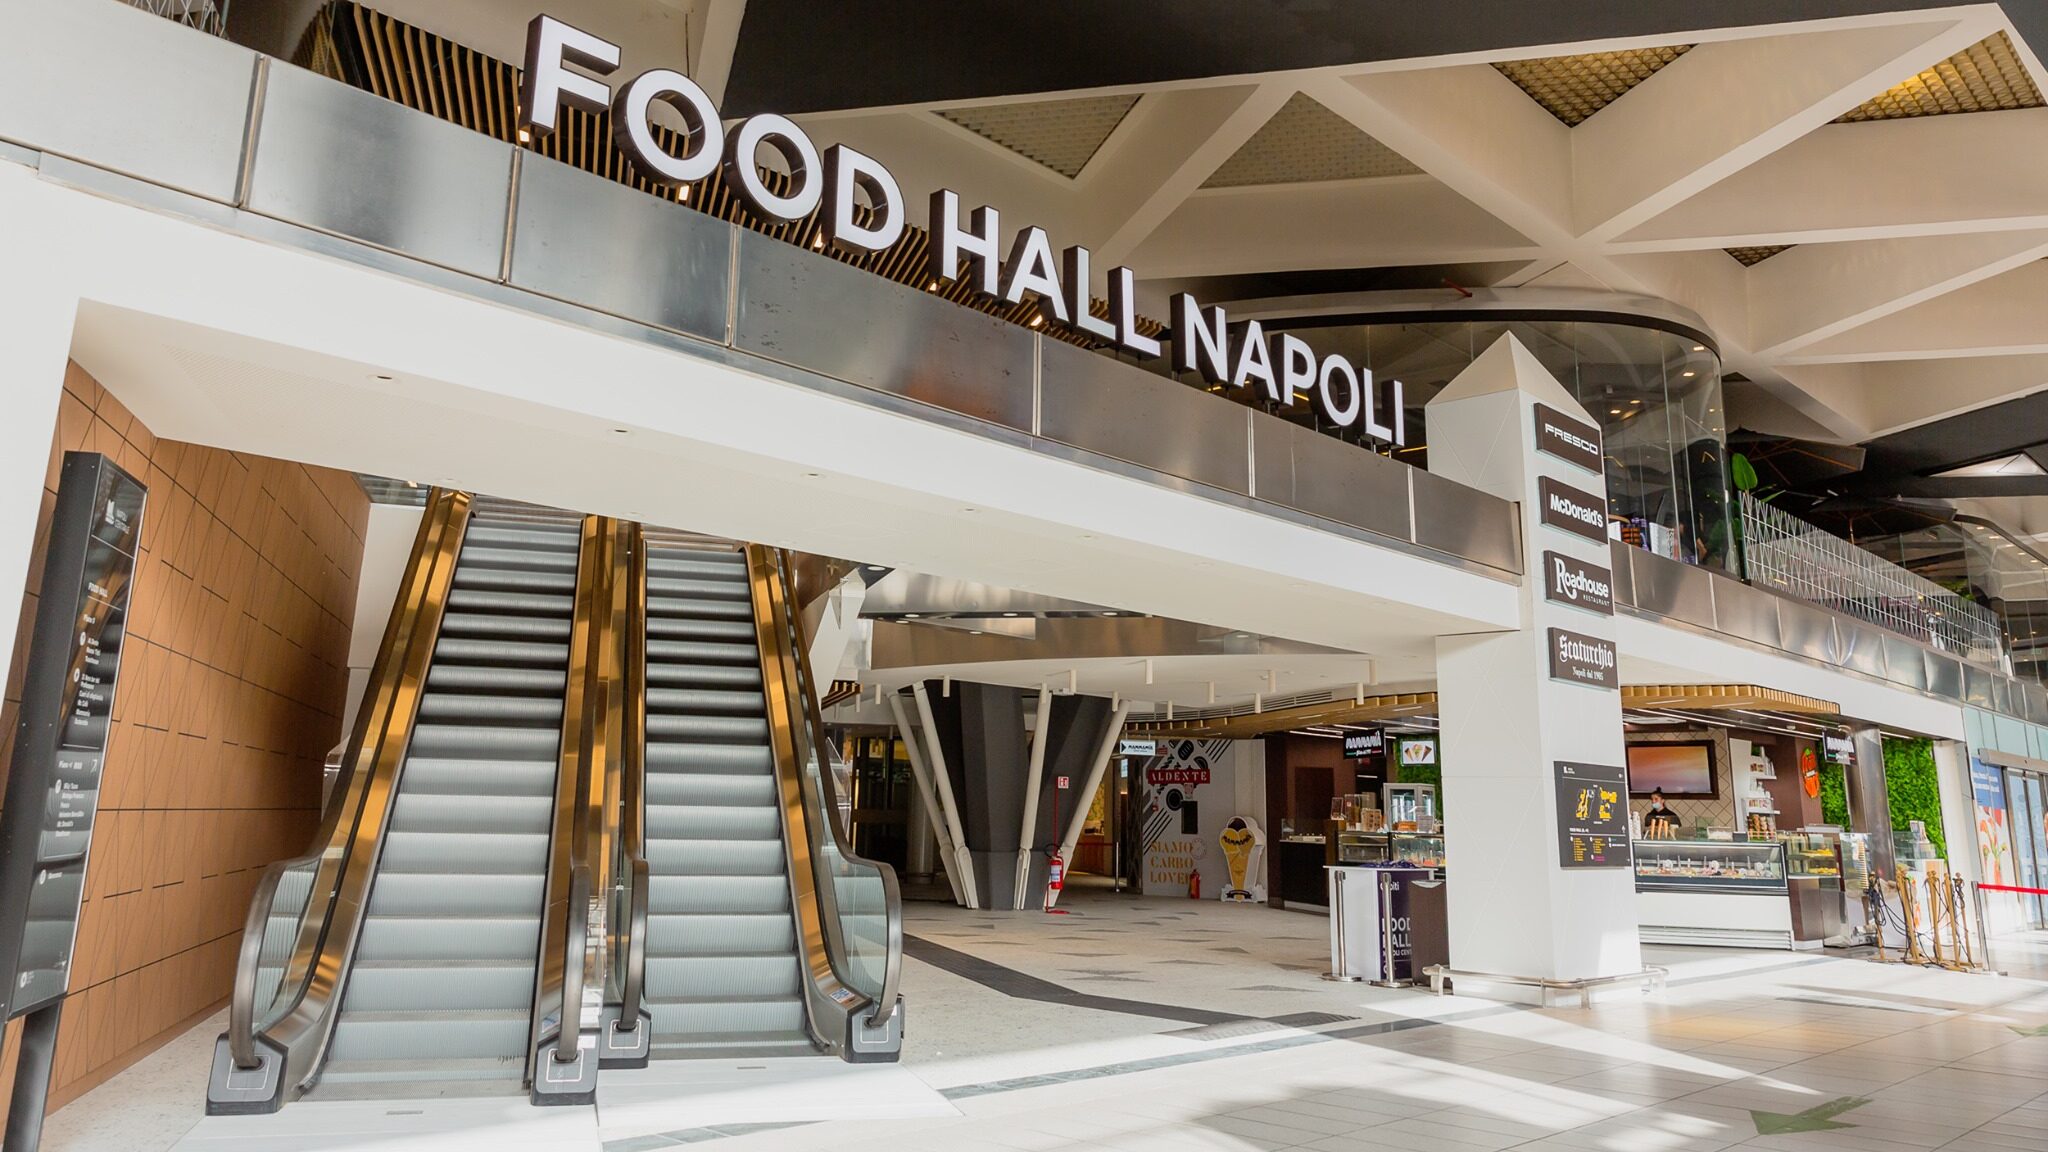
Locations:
{"points": [[694, 628], [399, 941], [479, 708], [528, 559], [726, 729], [470, 741], [713, 934], [437, 1036], [518, 629], [464, 852], [712, 822], [674, 895], [431, 812], [540, 604], [482, 678], [740, 759], [703, 700], [698, 565], [480, 777], [525, 537], [710, 788], [672, 978], [666, 586], [703, 676], [778, 1018], [706, 860], [448, 986], [454, 650], [662, 607], [702, 652], [431, 894]]}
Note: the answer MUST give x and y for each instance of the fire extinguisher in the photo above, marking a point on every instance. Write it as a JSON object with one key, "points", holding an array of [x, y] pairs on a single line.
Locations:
{"points": [[1055, 878], [1194, 883]]}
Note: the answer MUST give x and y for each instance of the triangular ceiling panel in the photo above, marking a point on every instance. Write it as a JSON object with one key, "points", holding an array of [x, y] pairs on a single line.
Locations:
{"points": [[1572, 88], [1060, 134], [1985, 77], [1306, 142]]}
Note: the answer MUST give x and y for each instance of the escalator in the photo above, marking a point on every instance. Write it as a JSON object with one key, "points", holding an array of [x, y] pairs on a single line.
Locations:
{"points": [[722, 966], [400, 957], [441, 987]]}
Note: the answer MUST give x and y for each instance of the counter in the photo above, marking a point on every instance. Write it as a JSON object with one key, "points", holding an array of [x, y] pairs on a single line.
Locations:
{"points": [[1729, 893], [1300, 882]]}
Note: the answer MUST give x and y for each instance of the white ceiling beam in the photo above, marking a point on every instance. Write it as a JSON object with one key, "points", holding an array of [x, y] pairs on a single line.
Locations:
{"points": [[1166, 149], [1725, 105], [2001, 316], [925, 153], [714, 44], [1925, 176], [1894, 395], [1371, 223], [1803, 296]]}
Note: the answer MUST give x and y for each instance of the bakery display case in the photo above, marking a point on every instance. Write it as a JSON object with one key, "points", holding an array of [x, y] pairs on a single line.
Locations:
{"points": [[1710, 866], [1813, 877], [1416, 849]]}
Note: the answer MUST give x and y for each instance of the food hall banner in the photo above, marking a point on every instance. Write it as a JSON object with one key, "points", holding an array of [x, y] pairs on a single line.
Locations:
{"points": [[67, 705]]}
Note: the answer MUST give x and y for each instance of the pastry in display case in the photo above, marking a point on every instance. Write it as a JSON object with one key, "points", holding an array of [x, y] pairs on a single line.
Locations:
{"points": [[1710, 866], [1423, 850]]}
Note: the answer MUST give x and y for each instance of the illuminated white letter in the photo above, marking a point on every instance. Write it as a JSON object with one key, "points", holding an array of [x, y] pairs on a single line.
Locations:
{"points": [[845, 169], [950, 242], [547, 84]]}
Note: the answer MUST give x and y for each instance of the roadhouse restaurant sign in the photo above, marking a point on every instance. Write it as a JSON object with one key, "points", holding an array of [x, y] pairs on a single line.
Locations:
{"points": [[567, 66]]}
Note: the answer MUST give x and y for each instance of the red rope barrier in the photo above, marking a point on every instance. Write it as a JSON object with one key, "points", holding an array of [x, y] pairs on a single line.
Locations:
{"points": [[2012, 888]]}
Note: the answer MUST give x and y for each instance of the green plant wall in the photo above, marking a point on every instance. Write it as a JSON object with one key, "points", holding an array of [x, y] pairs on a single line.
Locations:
{"points": [[1834, 796], [1911, 788]]}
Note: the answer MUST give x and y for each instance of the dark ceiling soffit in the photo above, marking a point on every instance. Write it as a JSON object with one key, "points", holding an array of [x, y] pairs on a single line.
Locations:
{"points": [[801, 56], [2010, 426], [1952, 487]]}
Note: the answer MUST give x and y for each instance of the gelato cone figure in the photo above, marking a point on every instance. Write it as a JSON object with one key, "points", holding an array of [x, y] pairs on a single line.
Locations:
{"points": [[1242, 842]]}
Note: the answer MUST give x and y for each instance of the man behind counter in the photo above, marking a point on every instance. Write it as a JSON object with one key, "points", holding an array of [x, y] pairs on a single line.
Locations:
{"points": [[1659, 822]]}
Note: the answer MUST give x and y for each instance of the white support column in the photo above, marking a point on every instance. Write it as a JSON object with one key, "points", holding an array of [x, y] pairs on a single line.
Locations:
{"points": [[37, 309], [1110, 736], [1032, 784], [960, 860], [1522, 902], [920, 773]]}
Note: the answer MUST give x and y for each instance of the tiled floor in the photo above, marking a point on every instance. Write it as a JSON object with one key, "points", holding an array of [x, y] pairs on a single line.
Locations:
{"points": [[1172, 1024]]}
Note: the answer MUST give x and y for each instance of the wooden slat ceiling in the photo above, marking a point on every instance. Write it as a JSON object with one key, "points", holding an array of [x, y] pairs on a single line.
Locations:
{"points": [[1698, 697], [1243, 725], [432, 74]]}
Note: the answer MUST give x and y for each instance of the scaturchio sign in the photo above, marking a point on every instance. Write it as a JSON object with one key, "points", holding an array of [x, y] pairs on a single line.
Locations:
{"points": [[833, 184], [1581, 659], [1578, 584]]}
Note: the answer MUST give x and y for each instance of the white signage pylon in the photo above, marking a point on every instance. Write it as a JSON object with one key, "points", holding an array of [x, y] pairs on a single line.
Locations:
{"points": [[1537, 837]]}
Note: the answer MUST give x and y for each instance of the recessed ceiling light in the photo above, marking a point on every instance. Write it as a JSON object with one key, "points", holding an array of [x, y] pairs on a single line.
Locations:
{"points": [[1011, 613], [967, 509], [1699, 347], [1109, 613], [623, 431], [812, 475], [1614, 411], [380, 376], [876, 568], [1688, 374], [912, 615], [974, 631]]}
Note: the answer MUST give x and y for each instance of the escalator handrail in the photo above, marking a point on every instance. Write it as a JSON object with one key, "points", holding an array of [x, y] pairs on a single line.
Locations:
{"points": [[249, 962], [633, 777], [569, 1038], [819, 823], [636, 948], [353, 826]]}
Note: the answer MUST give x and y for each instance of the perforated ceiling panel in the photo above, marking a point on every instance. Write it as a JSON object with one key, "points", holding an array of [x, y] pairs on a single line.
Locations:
{"points": [[1572, 88], [1305, 141], [1756, 255], [1060, 134], [1985, 77]]}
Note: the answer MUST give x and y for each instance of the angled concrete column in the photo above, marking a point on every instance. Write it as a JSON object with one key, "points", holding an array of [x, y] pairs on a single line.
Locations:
{"points": [[980, 730], [1525, 900]]}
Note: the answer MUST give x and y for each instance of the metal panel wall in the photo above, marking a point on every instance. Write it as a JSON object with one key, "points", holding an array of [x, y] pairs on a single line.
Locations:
{"points": [[1624, 577], [619, 250], [1745, 612], [1462, 521], [813, 312], [117, 87], [335, 158], [1272, 461], [1340, 481], [1807, 632], [1944, 675], [1902, 663], [1088, 400], [1669, 588], [1977, 686], [1860, 646]]}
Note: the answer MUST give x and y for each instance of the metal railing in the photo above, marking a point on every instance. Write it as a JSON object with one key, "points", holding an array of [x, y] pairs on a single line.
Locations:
{"points": [[209, 16], [1786, 554]]}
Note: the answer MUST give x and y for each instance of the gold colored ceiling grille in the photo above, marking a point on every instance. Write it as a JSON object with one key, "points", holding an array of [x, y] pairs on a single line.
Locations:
{"points": [[1750, 257], [432, 74], [1304, 142], [1063, 135], [1572, 88], [1988, 76], [1703, 697], [1242, 725]]}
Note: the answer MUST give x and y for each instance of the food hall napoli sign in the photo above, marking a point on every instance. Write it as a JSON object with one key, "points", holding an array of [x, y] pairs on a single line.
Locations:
{"points": [[558, 57]]}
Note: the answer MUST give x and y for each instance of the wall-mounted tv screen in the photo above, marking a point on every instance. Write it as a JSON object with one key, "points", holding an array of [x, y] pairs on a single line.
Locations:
{"points": [[1682, 771]]}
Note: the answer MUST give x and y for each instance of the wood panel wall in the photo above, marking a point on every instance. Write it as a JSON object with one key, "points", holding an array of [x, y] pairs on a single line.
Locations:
{"points": [[233, 681]]}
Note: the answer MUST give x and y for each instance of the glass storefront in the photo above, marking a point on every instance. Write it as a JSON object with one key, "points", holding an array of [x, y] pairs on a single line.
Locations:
{"points": [[1656, 394]]}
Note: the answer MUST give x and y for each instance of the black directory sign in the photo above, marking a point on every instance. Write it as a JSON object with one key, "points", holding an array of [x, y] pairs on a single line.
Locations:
{"points": [[1577, 658], [1578, 584], [60, 745], [1592, 815], [1567, 439], [1573, 509], [1364, 743]]}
